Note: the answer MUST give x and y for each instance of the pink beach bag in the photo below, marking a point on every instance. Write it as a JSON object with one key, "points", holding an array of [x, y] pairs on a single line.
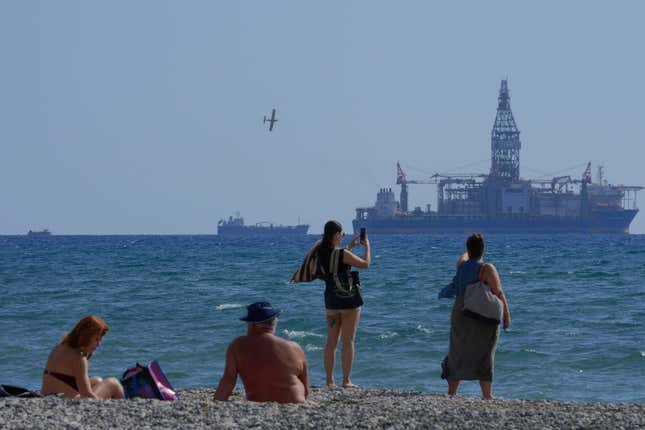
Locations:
{"points": [[148, 382]]}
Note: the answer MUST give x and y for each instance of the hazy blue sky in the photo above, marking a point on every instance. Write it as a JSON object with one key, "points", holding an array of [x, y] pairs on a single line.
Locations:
{"points": [[146, 116]]}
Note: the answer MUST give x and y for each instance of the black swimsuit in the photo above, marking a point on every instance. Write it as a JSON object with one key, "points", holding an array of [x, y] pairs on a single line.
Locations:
{"points": [[337, 295], [67, 379]]}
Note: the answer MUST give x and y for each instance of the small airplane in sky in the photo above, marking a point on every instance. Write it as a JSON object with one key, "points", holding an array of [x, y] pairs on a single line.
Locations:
{"points": [[271, 120]]}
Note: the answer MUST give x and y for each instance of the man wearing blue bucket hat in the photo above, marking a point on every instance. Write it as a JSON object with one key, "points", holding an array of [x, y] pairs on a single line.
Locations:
{"points": [[272, 369]]}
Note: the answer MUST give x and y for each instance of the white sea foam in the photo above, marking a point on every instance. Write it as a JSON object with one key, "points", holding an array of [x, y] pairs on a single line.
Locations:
{"points": [[574, 332], [642, 353], [310, 348], [225, 306], [388, 335], [295, 334], [423, 329]]}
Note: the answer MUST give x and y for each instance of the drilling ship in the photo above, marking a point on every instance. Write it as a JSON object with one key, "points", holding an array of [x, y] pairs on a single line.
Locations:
{"points": [[502, 202]]}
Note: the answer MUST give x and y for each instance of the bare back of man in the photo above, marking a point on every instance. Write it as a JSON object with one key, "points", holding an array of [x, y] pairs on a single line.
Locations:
{"points": [[272, 369]]}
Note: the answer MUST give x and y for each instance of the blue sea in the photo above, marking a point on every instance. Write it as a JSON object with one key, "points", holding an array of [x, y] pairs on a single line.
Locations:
{"points": [[577, 305]]}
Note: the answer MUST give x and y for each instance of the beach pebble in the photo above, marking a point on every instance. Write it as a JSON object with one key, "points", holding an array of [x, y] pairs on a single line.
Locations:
{"points": [[331, 408]]}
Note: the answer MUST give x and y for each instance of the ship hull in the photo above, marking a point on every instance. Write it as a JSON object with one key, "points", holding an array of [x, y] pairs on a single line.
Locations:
{"points": [[261, 231], [609, 222], [39, 234]]}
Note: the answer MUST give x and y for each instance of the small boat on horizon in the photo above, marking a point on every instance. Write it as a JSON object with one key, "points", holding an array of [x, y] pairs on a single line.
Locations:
{"points": [[44, 232]]}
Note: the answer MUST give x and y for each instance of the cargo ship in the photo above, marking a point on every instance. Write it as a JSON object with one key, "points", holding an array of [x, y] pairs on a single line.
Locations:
{"points": [[39, 233], [235, 227], [502, 202]]}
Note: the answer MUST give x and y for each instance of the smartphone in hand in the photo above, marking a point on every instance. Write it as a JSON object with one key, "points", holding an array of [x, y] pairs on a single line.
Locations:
{"points": [[362, 235]]}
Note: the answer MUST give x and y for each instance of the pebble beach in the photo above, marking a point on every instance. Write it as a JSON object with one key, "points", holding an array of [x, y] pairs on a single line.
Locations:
{"points": [[330, 408]]}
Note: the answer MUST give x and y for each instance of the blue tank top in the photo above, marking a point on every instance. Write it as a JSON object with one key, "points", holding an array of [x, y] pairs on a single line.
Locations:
{"points": [[468, 273]]}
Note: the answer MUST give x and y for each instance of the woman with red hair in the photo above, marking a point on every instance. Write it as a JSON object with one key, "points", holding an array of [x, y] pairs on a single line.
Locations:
{"points": [[66, 370]]}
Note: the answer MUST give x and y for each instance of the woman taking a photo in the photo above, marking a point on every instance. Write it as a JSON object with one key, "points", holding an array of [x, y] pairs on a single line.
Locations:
{"points": [[343, 298], [66, 370]]}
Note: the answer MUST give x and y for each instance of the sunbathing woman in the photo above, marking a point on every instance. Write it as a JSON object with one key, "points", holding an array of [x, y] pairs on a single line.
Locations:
{"points": [[66, 370]]}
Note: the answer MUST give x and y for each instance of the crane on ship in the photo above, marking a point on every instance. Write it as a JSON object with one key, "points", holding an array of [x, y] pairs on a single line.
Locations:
{"points": [[560, 183], [586, 175], [440, 179], [402, 179]]}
